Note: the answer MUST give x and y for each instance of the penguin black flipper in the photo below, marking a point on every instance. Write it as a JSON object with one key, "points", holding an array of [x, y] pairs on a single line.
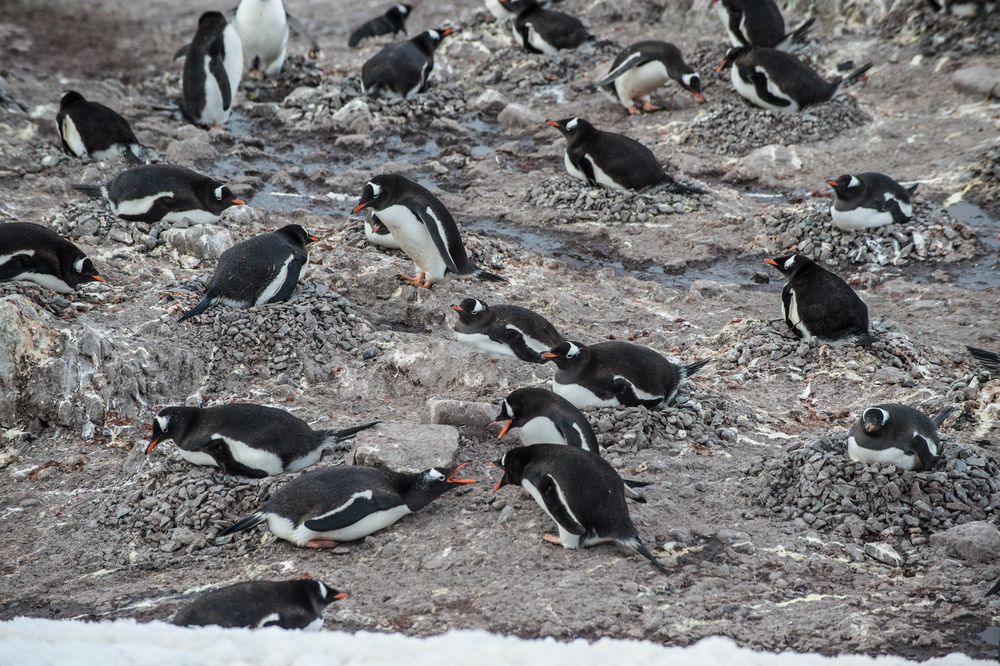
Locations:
{"points": [[205, 303], [440, 237], [217, 67], [798, 35], [223, 457], [989, 360], [735, 19], [300, 28], [637, 59], [993, 590], [360, 505], [921, 447], [181, 52], [760, 85], [515, 341], [552, 496], [786, 302]]}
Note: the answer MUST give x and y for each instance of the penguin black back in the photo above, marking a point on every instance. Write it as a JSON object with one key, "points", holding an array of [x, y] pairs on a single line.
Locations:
{"points": [[291, 604], [90, 128], [392, 22], [546, 31], [403, 68], [212, 71]]}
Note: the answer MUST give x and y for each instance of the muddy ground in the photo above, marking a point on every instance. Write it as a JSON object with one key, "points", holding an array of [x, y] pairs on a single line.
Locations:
{"points": [[93, 530]]}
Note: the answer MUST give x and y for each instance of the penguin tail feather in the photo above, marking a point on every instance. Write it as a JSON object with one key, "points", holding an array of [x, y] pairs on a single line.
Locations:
{"points": [[331, 437], [994, 589], [205, 303], [695, 367], [856, 75], [375, 90], [486, 276], [911, 190], [988, 359], [635, 544], [254, 519], [131, 157], [680, 188], [799, 34], [633, 483], [90, 190], [940, 418]]}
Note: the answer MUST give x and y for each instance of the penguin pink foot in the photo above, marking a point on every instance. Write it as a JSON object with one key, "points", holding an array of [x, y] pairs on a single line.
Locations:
{"points": [[633, 110], [418, 280], [321, 543], [552, 538], [649, 106]]}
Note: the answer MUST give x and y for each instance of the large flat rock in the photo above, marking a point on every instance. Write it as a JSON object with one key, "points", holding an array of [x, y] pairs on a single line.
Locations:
{"points": [[406, 447]]}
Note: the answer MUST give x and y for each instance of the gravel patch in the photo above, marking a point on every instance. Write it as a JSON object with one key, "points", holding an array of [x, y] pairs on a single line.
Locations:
{"points": [[934, 33], [563, 200], [985, 187]]}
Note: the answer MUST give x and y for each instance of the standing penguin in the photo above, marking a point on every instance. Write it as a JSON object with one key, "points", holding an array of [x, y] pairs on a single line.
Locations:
{"points": [[392, 22], [505, 329], [33, 253], [612, 160], [778, 81], [546, 31], [424, 228], [869, 200], [263, 269], [289, 604], [246, 439], [89, 128], [898, 435], [402, 69], [348, 503], [817, 303], [616, 374], [164, 193], [263, 30], [642, 68], [757, 23], [581, 492], [212, 71]]}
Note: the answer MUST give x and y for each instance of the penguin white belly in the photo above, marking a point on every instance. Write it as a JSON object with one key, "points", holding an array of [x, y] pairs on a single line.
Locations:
{"points": [[249, 456], [383, 240], [213, 112], [72, 137], [47, 281], [572, 170], [310, 458], [233, 62], [582, 397], [315, 625], [859, 218], [792, 316], [498, 10], [541, 430], [748, 91], [263, 30], [114, 151], [640, 81], [536, 41], [531, 343], [197, 457], [414, 240], [425, 71], [271, 619], [196, 216], [139, 206], [891, 456], [272, 289], [300, 534], [484, 342]]}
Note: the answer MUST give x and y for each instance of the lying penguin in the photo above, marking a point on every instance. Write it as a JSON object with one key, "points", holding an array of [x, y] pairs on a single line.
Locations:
{"points": [[897, 435], [255, 604]]}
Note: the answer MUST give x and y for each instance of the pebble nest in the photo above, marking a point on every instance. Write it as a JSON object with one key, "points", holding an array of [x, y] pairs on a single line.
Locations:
{"points": [[985, 188], [91, 218], [935, 33], [297, 72], [563, 200], [932, 235], [818, 486]]}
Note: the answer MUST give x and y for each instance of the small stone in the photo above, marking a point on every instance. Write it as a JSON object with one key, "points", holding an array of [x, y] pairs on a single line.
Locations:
{"points": [[884, 553]]}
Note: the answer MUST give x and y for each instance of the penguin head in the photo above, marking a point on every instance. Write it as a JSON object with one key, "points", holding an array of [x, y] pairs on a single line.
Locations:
{"points": [[874, 420], [520, 407], [382, 191], [471, 310], [571, 128], [212, 21], [81, 269], [171, 423], [297, 234], [216, 197], [71, 97], [691, 82], [728, 4], [431, 39], [518, 6], [402, 10], [566, 354], [432, 483], [512, 463], [847, 186], [731, 57], [790, 265], [320, 595]]}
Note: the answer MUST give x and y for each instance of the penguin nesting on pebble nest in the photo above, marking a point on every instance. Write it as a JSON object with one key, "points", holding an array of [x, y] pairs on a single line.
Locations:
{"points": [[89, 128], [246, 439], [612, 160], [580, 491], [540, 30], [897, 435], [757, 23], [505, 329], [33, 253], [424, 228], [616, 374], [392, 22], [869, 200], [212, 71], [289, 604], [402, 69], [320, 508], [263, 269], [778, 81], [817, 303], [642, 68]]}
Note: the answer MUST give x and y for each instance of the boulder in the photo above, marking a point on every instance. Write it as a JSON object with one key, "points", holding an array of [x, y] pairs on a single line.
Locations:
{"points": [[978, 80], [977, 541], [353, 117], [406, 447], [518, 116], [442, 411], [203, 241]]}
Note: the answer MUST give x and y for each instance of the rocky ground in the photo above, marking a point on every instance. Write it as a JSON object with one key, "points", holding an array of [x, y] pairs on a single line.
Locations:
{"points": [[772, 535]]}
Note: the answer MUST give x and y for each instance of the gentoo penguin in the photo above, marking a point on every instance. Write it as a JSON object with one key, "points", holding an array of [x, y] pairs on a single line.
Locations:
{"points": [[500, 11], [33, 253], [757, 23], [392, 22], [289, 604], [611, 160], [263, 30], [379, 234], [164, 193], [869, 200], [347, 503], [89, 128], [815, 303], [963, 8], [402, 69], [424, 228], [546, 31], [779, 81], [642, 68], [898, 435], [581, 492], [263, 269], [245, 439], [542, 417], [616, 374], [988, 359], [509, 330], [212, 71]]}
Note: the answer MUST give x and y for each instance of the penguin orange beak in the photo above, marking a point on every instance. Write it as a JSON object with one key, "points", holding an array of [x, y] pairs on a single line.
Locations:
{"points": [[552, 123], [98, 278], [506, 427], [452, 479], [549, 355], [457, 308], [152, 445], [447, 31], [499, 484], [720, 67], [771, 262], [698, 96], [870, 427], [313, 239], [239, 202], [340, 596], [832, 183], [360, 207]]}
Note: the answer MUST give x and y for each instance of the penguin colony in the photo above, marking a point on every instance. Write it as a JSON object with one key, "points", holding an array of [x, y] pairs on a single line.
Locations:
{"points": [[559, 465]]}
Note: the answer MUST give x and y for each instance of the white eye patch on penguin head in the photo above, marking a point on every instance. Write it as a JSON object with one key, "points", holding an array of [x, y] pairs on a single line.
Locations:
{"points": [[161, 428], [874, 420], [563, 351], [376, 193], [219, 198], [403, 9], [506, 411], [434, 475]]}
